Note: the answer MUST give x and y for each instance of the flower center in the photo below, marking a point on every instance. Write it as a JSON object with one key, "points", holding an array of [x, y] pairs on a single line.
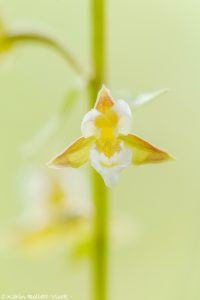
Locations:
{"points": [[109, 119], [106, 140]]}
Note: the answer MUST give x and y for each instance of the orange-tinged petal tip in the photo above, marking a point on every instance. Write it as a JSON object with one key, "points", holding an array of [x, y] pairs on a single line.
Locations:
{"points": [[104, 100]]}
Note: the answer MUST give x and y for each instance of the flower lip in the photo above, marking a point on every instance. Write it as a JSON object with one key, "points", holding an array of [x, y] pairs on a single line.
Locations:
{"points": [[110, 168]]}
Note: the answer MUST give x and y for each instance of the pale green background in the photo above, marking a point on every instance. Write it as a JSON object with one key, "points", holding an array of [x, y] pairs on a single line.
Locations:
{"points": [[151, 44]]}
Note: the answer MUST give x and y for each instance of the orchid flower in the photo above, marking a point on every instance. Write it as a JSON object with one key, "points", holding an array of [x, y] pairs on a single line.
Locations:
{"points": [[54, 211], [50, 197], [107, 142]]}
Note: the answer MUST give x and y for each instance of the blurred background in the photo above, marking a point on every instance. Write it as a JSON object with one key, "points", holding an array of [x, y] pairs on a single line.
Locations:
{"points": [[151, 45]]}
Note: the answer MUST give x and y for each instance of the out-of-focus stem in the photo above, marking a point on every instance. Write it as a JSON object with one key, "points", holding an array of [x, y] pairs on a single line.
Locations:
{"points": [[52, 42], [98, 41], [100, 192], [100, 243]]}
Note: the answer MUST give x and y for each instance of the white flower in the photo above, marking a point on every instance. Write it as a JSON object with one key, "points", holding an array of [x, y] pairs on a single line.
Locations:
{"points": [[50, 197], [107, 142]]}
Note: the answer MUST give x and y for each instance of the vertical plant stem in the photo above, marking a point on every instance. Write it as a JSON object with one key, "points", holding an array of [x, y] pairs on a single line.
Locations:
{"points": [[100, 192], [99, 256], [98, 41]]}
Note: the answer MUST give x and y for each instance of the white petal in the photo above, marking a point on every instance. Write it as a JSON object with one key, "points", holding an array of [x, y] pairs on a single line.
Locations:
{"points": [[111, 173], [125, 116], [87, 126]]}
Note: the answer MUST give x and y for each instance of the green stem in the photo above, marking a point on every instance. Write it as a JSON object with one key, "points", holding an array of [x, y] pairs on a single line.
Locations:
{"points": [[98, 40], [100, 192], [54, 43], [99, 258]]}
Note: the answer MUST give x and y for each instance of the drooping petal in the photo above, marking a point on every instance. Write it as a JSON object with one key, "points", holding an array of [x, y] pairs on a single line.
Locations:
{"points": [[125, 116], [75, 155], [143, 151], [88, 127], [110, 168], [104, 100]]}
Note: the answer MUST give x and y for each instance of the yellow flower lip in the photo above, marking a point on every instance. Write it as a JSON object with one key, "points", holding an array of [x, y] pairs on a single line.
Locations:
{"points": [[107, 142]]}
